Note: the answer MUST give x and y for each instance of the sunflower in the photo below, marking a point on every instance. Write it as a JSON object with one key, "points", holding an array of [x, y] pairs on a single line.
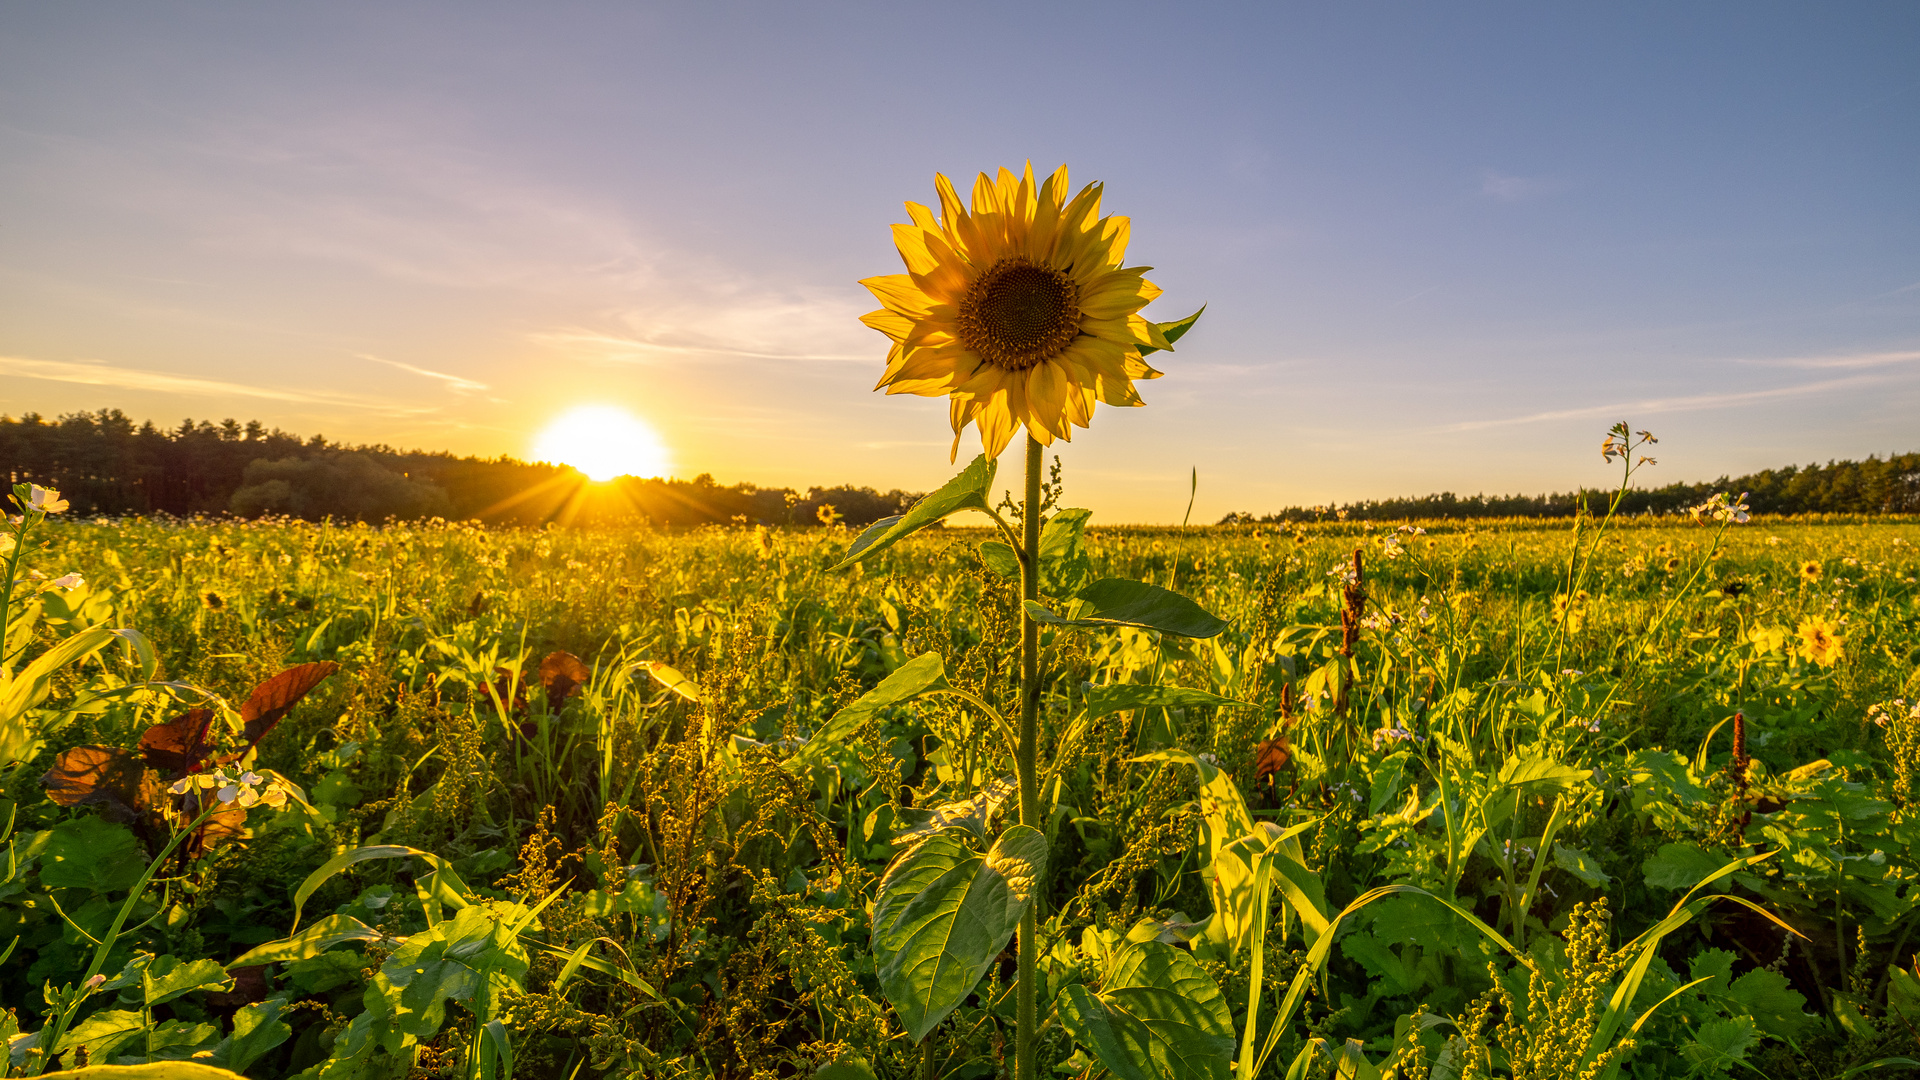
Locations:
{"points": [[1019, 312], [1818, 642], [1811, 571]]}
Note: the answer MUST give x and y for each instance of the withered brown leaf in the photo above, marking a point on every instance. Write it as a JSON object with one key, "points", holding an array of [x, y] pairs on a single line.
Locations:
{"points": [[562, 675]]}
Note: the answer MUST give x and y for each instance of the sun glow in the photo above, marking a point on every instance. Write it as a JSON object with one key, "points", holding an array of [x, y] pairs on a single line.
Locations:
{"points": [[603, 441]]}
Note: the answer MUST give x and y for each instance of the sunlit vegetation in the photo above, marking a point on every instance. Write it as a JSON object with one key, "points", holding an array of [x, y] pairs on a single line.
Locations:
{"points": [[439, 799]]}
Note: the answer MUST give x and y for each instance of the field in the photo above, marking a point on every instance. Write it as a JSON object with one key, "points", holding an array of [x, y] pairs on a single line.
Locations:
{"points": [[1482, 809]]}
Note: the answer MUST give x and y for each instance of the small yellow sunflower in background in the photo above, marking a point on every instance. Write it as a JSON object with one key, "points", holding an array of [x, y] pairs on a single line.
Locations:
{"points": [[1019, 311], [1673, 564], [1818, 642], [1811, 571]]}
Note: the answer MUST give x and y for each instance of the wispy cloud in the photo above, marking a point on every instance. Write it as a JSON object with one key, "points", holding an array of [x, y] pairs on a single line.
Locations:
{"points": [[168, 383], [1842, 360], [1690, 403], [727, 318], [454, 382]]}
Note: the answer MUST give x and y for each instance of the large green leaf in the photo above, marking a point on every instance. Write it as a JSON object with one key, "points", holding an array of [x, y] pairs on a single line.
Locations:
{"points": [[1064, 566], [1000, 558], [463, 959], [943, 912], [967, 491], [89, 853], [1112, 602], [1157, 1016], [168, 978], [1173, 331], [1119, 697], [256, 1029], [917, 676]]}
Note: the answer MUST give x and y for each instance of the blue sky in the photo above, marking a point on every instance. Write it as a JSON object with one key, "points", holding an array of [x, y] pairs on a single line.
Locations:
{"points": [[1444, 246]]}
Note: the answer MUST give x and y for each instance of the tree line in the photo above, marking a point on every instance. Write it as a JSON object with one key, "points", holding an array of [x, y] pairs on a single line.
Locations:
{"points": [[104, 463], [1877, 485]]}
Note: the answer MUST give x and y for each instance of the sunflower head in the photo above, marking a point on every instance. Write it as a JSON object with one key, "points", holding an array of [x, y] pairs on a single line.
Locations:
{"points": [[1811, 570], [1818, 641], [1017, 309]]}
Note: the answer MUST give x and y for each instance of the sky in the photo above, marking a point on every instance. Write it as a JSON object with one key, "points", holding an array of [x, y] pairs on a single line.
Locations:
{"points": [[1442, 247]]}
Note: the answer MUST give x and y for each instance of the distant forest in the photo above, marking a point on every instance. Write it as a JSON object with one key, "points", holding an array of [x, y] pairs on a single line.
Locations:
{"points": [[1875, 486], [105, 463]]}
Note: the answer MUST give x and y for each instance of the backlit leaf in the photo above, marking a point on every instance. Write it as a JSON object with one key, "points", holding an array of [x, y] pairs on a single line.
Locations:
{"points": [[97, 775], [168, 977], [1157, 1016], [943, 912], [562, 675], [324, 934], [273, 699], [1175, 330], [178, 746], [1110, 699], [967, 491], [671, 679], [1112, 602], [1000, 558], [913, 678]]}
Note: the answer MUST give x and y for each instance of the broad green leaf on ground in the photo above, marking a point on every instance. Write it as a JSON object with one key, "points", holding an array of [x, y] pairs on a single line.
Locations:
{"points": [[1679, 866], [465, 959], [1107, 700], [1779, 1007], [1112, 602], [167, 977], [967, 491], [917, 676], [324, 934], [89, 853], [1157, 1016], [1064, 566], [943, 912], [256, 1029], [1581, 865]]}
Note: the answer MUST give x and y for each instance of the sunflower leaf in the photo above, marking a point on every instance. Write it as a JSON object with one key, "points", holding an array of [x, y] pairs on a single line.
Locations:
{"points": [[967, 491], [943, 913], [1173, 330], [1112, 602]]}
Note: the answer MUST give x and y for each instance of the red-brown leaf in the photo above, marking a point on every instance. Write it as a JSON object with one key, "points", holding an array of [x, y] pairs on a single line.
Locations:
{"points": [[105, 775], [273, 699], [562, 675], [178, 746], [1271, 756]]}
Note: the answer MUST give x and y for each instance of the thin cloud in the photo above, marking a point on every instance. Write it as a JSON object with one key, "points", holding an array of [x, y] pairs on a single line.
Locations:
{"points": [[166, 383], [455, 382], [1843, 361], [1673, 404], [637, 350]]}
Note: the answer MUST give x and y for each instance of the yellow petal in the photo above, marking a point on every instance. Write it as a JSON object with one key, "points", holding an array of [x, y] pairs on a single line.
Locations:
{"points": [[1118, 292], [891, 323], [899, 293]]}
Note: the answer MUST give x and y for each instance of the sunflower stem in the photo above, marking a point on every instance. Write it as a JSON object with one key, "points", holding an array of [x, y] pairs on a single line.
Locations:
{"points": [[1025, 762]]}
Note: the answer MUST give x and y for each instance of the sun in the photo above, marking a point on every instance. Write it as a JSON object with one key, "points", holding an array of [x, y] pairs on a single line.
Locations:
{"points": [[603, 441]]}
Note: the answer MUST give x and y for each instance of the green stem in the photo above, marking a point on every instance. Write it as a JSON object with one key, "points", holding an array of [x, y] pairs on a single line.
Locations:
{"points": [[1025, 760]]}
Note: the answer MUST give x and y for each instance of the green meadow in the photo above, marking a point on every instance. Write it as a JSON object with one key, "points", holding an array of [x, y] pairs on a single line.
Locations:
{"points": [[1535, 799]]}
